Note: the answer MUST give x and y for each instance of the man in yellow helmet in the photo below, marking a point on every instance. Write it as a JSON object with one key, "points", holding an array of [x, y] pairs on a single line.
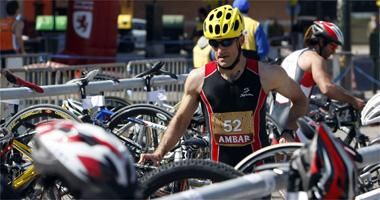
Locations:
{"points": [[232, 90], [255, 46]]}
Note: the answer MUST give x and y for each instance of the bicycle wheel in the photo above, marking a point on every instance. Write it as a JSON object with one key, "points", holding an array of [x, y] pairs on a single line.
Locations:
{"points": [[115, 103], [270, 154], [142, 123], [24, 122], [369, 178], [185, 174]]}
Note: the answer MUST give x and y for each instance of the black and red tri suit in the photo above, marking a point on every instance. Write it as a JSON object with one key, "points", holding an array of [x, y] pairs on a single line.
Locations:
{"points": [[234, 112]]}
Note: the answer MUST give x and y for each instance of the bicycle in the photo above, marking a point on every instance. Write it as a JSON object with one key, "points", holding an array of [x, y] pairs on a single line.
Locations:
{"points": [[330, 113], [21, 174], [337, 117]]}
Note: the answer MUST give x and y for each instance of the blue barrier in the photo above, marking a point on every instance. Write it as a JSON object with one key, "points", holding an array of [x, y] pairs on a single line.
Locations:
{"points": [[342, 75], [370, 78]]}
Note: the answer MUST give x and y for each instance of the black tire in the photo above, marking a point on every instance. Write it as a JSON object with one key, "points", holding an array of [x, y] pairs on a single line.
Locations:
{"points": [[185, 169], [269, 154], [148, 138], [25, 120], [115, 103]]}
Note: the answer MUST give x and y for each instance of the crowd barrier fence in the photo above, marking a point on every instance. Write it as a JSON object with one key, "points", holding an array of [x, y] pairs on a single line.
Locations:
{"points": [[30, 68]]}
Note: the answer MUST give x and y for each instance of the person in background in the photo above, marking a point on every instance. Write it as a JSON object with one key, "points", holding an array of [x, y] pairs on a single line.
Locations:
{"points": [[374, 48], [198, 30], [256, 44], [232, 90], [275, 36], [202, 50], [11, 28], [307, 67]]}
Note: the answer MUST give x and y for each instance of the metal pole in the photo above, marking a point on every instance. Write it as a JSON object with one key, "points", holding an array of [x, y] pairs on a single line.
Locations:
{"points": [[343, 13], [347, 42], [293, 33], [377, 65], [92, 88]]}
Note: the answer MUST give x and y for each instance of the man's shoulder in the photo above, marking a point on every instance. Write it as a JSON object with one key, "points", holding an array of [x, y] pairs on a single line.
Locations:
{"points": [[197, 73], [266, 69], [311, 55], [195, 79]]}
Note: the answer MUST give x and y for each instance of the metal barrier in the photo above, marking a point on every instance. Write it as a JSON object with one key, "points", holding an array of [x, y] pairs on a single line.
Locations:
{"points": [[95, 87], [51, 73], [173, 91], [261, 184]]}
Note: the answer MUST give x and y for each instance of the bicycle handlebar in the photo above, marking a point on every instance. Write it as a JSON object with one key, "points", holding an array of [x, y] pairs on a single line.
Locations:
{"points": [[18, 81], [156, 70], [89, 77]]}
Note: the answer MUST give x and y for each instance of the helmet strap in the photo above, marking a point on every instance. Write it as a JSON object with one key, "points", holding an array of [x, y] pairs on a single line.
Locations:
{"points": [[232, 66]]}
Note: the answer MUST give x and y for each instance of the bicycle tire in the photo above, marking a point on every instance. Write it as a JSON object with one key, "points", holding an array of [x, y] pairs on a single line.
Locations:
{"points": [[247, 165], [30, 116], [119, 124], [186, 169], [115, 103]]}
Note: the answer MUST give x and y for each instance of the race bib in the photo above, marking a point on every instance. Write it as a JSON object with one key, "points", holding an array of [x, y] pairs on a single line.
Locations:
{"points": [[233, 128]]}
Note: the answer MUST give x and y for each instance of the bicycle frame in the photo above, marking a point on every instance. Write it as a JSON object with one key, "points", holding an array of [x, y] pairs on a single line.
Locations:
{"points": [[23, 180]]}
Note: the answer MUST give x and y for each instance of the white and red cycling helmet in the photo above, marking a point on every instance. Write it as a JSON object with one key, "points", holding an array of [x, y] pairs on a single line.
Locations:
{"points": [[327, 30], [93, 163]]}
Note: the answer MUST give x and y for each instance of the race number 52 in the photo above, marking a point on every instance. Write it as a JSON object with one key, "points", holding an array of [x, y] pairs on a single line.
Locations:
{"points": [[232, 125]]}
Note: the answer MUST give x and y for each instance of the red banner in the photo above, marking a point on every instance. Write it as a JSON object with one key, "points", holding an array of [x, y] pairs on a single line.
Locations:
{"points": [[91, 35]]}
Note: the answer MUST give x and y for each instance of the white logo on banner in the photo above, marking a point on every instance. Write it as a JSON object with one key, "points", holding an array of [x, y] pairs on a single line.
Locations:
{"points": [[82, 21]]}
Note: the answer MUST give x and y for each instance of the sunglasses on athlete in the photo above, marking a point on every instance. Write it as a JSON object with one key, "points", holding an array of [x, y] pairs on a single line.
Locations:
{"points": [[225, 43]]}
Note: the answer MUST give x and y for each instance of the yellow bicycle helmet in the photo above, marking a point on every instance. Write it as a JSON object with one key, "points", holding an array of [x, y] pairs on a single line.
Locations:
{"points": [[223, 22]]}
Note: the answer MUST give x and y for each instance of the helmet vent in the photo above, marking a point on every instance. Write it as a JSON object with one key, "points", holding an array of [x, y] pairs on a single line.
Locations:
{"points": [[228, 16], [225, 28], [236, 25], [210, 29], [219, 14], [217, 29], [211, 17]]}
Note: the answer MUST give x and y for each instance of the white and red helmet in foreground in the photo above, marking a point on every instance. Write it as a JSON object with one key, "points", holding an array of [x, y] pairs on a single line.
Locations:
{"points": [[93, 163]]}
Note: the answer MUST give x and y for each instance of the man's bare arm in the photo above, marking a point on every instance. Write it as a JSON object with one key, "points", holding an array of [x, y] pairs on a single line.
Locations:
{"points": [[328, 88], [182, 118], [275, 78]]}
